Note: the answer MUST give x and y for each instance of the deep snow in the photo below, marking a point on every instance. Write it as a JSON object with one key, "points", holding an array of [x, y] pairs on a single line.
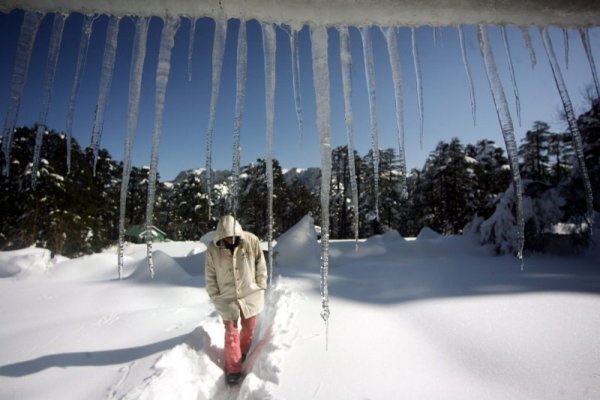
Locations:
{"points": [[428, 318]]}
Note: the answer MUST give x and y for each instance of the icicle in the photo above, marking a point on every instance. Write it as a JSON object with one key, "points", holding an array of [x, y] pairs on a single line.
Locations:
{"points": [[566, 39], [508, 132], [217, 66], [29, 28], [585, 40], [320, 66], [86, 31], [49, 73], [391, 39], [240, 100], [512, 72], [572, 120], [468, 71], [346, 63], [135, 84], [167, 39], [419, 79], [434, 33], [296, 80], [365, 34], [269, 50], [191, 46], [108, 64], [529, 45]]}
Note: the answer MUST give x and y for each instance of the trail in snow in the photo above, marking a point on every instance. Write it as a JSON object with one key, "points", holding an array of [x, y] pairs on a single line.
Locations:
{"points": [[269, 50], [167, 40], [194, 369], [320, 65], [84, 42], [572, 121], [240, 102], [217, 65], [138, 57], [49, 74], [346, 65], [108, 65], [29, 28], [508, 132], [463, 52]]}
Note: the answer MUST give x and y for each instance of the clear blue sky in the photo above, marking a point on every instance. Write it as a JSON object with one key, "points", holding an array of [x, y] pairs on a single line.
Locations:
{"points": [[447, 107]]}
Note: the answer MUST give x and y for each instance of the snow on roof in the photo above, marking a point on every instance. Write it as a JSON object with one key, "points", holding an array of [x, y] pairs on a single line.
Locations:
{"points": [[336, 12]]}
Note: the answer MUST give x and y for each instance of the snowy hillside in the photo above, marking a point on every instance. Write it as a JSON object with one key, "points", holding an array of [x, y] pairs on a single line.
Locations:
{"points": [[428, 318]]}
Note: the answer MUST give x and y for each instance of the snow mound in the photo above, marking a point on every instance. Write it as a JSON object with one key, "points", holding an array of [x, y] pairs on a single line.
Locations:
{"points": [[101, 266], [388, 237], [298, 246], [427, 233], [166, 270], [208, 237], [24, 262]]}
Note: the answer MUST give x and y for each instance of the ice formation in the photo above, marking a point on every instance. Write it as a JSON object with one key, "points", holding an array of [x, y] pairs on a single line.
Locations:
{"points": [[318, 15], [346, 63], [50, 72], [167, 39], [320, 64], [463, 52], [133, 107]]}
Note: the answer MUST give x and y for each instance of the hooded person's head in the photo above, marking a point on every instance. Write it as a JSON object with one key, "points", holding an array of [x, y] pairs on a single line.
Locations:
{"points": [[228, 227]]}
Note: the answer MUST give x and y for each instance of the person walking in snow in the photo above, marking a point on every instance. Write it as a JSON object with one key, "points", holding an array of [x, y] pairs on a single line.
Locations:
{"points": [[236, 279]]}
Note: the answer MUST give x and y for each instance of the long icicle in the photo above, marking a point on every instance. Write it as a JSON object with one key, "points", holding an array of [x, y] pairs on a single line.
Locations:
{"points": [[512, 72], [29, 28], [391, 38], [240, 102], [566, 40], [193, 21], [86, 31], [508, 132], [419, 80], [572, 121], [365, 33], [320, 64], [463, 52], [138, 57], [167, 39], [346, 64], [585, 40], [529, 45], [49, 74], [269, 51], [217, 66], [108, 64], [294, 50]]}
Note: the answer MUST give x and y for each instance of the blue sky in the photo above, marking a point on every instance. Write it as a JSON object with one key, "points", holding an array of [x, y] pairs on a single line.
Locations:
{"points": [[447, 106]]}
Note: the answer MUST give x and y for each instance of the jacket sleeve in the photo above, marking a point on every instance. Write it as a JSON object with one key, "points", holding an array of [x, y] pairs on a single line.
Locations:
{"points": [[260, 266], [210, 275]]}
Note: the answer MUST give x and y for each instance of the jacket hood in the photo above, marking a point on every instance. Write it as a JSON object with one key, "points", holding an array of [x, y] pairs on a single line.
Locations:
{"points": [[227, 226]]}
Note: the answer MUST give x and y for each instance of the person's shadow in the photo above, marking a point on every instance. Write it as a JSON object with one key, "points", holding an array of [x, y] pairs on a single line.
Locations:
{"points": [[89, 358]]}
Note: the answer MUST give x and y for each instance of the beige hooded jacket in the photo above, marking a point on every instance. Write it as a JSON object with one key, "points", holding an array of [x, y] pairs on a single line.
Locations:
{"points": [[235, 281]]}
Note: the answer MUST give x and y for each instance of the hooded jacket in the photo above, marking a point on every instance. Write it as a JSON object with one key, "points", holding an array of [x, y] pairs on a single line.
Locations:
{"points": [[235, 280]]}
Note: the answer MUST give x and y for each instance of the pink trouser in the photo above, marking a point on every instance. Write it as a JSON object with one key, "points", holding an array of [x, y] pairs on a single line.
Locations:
{"points": [[237, 343]]}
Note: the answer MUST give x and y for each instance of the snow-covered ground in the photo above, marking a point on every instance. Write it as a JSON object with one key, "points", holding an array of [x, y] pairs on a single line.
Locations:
{"points": [[430, 318]]}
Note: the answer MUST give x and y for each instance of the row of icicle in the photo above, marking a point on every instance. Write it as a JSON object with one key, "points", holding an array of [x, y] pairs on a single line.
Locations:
{"points": [[320, 64]]}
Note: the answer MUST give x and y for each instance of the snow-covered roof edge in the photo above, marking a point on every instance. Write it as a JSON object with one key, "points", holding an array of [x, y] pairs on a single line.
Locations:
{"points": [[571, 13]]}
